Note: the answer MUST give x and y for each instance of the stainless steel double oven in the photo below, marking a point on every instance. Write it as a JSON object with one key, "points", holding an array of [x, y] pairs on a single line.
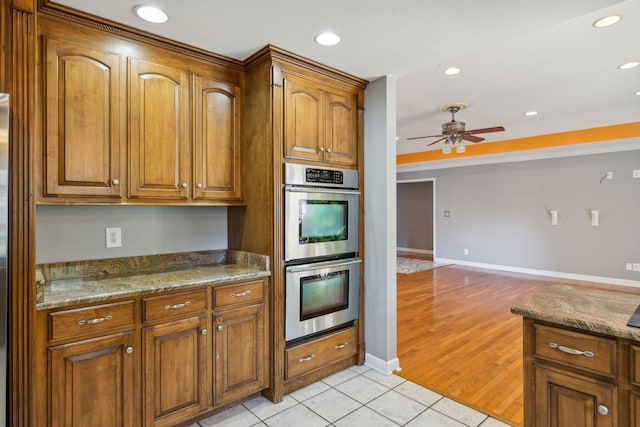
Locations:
{"points": [[321, 242]]}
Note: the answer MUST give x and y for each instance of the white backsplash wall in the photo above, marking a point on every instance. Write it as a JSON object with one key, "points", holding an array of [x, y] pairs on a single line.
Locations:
{"points": [[73, 233]]}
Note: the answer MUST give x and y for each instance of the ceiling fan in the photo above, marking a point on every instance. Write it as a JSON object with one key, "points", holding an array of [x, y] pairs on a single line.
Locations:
{"points": [[454, 132]]}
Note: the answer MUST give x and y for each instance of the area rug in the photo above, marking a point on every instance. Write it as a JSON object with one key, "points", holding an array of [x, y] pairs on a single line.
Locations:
{"points": [[411, 265]]}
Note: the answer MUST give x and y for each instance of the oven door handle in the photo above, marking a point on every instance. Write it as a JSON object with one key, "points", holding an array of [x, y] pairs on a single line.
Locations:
{"points": [[306, 267], [319, 190]]}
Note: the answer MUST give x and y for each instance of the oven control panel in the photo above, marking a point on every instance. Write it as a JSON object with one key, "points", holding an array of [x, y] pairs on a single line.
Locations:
{"points": [[310, 176], [323, 176]]}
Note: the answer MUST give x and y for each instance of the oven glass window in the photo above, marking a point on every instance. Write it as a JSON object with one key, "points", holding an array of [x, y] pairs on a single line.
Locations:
{"points": [[323, 221], [323, 294]]}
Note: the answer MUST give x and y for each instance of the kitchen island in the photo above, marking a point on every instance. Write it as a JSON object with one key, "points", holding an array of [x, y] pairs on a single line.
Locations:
{"points": [[581, 360], [154, 340]]}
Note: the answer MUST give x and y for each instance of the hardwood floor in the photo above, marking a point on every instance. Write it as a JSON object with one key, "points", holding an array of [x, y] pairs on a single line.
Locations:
{"points": [[457, 336]]}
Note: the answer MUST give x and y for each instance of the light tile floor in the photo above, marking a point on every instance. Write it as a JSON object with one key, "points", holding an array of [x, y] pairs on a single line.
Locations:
{"points": [[355, 397]]}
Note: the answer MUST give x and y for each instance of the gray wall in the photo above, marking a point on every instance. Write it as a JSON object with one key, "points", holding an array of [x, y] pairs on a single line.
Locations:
{"points": [[500, 212], [71, 233], [415, 215], [380, 225]]}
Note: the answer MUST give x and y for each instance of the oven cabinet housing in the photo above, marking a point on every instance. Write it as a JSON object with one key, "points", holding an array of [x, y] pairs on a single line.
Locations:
{"points": [[577, 378], [127, 123], [320, 121], [286, 121], [162, 360]]}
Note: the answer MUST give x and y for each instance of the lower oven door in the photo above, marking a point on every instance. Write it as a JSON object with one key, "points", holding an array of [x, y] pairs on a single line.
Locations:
{"points": [[321, 296]]}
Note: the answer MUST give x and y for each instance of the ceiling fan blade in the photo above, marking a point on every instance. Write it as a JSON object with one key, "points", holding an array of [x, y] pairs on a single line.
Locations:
{"points": [[486, 130], [428, 136], [436, 141], [472, 138]]}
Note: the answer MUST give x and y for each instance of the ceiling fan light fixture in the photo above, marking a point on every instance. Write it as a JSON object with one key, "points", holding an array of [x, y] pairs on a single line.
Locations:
{"points": [[607, 21], [327, 39], [461, 148], [629, 65], [452, 71], [151, 14]]}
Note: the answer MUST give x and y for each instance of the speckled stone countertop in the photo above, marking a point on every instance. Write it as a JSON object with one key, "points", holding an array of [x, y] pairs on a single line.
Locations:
{"points": [[68, 283], [592, 310]]}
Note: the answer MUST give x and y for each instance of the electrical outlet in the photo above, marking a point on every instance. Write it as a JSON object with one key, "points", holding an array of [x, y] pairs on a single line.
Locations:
{"points": [[636, 173], [466, 251], [636, 266], [113, 236]]}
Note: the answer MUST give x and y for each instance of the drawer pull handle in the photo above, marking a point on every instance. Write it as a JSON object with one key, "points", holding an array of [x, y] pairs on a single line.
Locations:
{"points": [[177, 306], [308, 358], [94, 321], [339, 346], [571, 350], [603, 410], [240, 294]]}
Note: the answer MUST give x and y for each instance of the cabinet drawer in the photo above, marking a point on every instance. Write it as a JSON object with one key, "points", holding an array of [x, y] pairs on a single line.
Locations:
{"points": [[186, 303], [575, 349], [239, 293], [90, 320], [324, 351]]}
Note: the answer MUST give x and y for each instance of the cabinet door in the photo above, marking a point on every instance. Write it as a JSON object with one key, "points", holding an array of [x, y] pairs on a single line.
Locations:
{"points": [[303, 119], [566, 399], [341, 134], [92, 383], [158, 131], [175, 371], [239, 353], [216, 156], [82, 121]]}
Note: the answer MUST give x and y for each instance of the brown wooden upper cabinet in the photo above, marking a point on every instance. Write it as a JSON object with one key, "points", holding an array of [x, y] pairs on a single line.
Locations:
{"points": [[137, 125], [82, 120], [320, 121], [158, 131]]}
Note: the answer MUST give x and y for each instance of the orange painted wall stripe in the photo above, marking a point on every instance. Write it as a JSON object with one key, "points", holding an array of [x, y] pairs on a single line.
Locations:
{"points": [[604, 133]]}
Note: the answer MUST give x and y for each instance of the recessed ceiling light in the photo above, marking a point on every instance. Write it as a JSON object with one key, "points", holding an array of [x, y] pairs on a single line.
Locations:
{"points": [[606, 21], [452, 71], [629, 65], [328, 39], [531, 113], [151, 14], [638, 92]]}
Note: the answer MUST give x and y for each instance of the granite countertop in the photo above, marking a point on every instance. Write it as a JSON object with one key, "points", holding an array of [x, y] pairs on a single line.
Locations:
{"points": [[69, 283], [592, 310]]}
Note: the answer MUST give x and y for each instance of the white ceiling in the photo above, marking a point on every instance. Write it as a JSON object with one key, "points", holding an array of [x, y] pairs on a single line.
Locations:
{"points": [[516, 55]]}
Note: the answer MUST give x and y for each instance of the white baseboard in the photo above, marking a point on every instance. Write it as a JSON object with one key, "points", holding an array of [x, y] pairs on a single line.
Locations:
{"points": [[386, 367], [558, 274], [417, 251]]}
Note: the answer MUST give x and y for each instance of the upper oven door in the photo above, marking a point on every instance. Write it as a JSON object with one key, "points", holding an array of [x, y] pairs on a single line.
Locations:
{"points": [[320, 222]]}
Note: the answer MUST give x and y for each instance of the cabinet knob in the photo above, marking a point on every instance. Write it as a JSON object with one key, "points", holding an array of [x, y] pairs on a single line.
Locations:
{"points": [[321, 149], [203, 332], [328, 150], [199, 185], [603, 410], [185, 185], [129, 350], [116, 181], [220, 327]]}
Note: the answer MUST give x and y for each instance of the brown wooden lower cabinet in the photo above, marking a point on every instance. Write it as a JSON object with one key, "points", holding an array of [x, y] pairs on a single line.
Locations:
{"points": [[567, 399], [92, 382], [575, 378], [151, 361], [239, 353], [175, 371]]}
